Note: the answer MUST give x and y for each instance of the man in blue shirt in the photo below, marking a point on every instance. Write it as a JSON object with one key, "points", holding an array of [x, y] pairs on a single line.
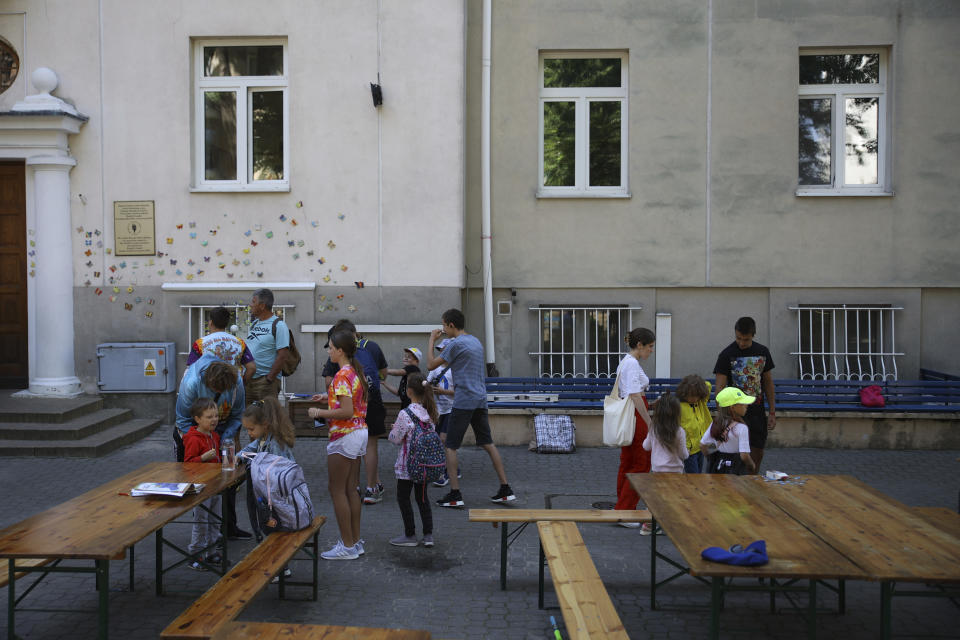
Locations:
{"points": [[269, 342], [464, 355]]}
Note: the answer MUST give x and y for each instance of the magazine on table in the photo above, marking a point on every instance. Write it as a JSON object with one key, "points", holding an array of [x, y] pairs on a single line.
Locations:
{"points": [[176, 489]]}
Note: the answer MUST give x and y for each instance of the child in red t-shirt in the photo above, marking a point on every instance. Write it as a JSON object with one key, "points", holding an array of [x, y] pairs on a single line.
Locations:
{"points": [[202, 444]]}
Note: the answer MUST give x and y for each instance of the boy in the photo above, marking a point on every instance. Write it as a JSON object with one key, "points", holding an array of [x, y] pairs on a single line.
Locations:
{"points": [[411, 361], [746, 364], [441, 379], [202, 444], [464, 354]]}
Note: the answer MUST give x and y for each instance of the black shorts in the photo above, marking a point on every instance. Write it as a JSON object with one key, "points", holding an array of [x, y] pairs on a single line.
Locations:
{"points": [[442, 421], [376, 419], [756, 421], [457, 427]]}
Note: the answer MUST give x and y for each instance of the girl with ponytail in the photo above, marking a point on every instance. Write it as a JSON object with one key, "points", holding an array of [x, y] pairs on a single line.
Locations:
{"points": [[347, 401]]}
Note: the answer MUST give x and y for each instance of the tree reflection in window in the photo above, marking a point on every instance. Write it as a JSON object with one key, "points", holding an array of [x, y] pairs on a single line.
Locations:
{"points": [[9, 66]]}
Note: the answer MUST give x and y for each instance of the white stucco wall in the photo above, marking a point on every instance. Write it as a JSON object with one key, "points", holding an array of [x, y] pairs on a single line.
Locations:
{"points": [[138, 144]]}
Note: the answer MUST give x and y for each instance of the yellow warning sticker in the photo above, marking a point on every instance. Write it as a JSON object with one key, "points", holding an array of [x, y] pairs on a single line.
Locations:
{"points": [[149, 367]]}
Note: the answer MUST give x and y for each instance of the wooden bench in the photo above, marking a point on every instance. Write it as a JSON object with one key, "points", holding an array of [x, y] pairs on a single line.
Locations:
{"points": [[907, 396], [224, 600], [527, 516], [21, 562], [278, 630], [587, 609]]}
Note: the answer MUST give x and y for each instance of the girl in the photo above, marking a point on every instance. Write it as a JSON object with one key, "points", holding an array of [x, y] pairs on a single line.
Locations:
{"points": [[424, 410], [347, 401], [269, 428], [727, 442], [693, 393], [270, 431], [634, 382], [666, 441]]}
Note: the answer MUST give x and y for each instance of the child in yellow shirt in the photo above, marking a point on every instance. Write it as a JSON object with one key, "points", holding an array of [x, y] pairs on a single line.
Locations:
{"points": [[693, 392]]}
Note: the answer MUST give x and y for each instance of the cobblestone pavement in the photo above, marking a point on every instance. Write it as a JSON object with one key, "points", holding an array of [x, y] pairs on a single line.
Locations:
{"points": [[452, 590]]}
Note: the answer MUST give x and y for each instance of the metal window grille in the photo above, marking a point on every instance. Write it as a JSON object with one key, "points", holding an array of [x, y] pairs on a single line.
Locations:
{"points": [[846, 342], [198, 315], [581, 341]]}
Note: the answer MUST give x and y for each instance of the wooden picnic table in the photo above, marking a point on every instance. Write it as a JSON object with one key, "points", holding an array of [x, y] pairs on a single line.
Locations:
{"points": [[103, 523], [825, 528]]}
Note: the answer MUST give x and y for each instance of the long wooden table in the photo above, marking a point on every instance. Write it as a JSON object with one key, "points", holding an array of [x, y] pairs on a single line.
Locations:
{"points": [[829, 527], [103, 523]]}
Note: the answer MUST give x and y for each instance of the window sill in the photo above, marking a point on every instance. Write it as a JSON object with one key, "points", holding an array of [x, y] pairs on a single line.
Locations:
{"points": [[234, 188], [833, 193], [583, 195], [238, 286]]}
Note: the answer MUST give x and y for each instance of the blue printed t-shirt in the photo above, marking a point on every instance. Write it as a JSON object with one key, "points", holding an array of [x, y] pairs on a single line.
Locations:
{"points": [[464, 354], [263, 346]]}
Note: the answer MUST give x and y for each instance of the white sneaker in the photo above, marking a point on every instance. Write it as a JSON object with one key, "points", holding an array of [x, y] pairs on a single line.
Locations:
{"points": [[340, 552], [629, 525], [359, 547]]}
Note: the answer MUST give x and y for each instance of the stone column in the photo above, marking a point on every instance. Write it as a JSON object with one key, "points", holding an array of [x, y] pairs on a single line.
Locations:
{"points": [[53, 372]]}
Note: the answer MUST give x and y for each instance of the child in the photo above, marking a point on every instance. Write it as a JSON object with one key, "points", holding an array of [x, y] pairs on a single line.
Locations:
{"points": [[269, 428], [727, 442], [666, 443], [347, 414], [441, 379], [693, 393], [424, 409], [411, 360], [666, 439], [202, 444], [270, 431]]}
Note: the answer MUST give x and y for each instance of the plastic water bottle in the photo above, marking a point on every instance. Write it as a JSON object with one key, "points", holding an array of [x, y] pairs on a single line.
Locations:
{"points": [[228, 453]]}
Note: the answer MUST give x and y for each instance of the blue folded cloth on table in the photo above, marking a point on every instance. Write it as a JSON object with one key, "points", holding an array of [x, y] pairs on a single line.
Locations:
{"points": [[754, 554]]}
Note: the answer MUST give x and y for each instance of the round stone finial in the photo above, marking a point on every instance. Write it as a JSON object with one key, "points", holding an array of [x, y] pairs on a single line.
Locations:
{"points": [[44, 79]]}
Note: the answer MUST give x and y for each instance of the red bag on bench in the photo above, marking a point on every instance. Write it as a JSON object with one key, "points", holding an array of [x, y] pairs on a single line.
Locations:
{"points": [[872, 396]]}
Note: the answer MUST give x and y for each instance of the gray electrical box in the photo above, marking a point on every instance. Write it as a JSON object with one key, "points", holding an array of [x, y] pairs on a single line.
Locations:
{"points": [[137, 367]]}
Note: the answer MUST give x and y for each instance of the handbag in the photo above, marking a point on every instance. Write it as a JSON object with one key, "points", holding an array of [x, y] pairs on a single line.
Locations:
{"points": [[872, 396], [618, 418]]}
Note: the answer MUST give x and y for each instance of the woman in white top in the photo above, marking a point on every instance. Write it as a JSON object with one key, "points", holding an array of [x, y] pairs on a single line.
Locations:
{"points": [[634, 383], [727, 442]]}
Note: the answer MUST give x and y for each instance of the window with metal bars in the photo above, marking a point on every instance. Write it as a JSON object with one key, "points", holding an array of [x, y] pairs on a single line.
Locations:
{"points": [[846, 342], [581, 341]]}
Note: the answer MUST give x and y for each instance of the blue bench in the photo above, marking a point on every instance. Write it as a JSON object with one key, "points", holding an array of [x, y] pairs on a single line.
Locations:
{"points": [[910, 396]]}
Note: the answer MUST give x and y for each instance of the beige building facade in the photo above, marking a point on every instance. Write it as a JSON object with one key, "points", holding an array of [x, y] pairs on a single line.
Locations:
{"points": [[669, 165]]}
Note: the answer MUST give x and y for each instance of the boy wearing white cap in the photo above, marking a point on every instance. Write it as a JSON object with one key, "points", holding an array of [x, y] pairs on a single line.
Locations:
{"points": [[411, 359]]}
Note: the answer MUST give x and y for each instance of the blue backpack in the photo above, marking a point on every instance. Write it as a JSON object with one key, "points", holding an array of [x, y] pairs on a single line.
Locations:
{"points": [[426, 459]]}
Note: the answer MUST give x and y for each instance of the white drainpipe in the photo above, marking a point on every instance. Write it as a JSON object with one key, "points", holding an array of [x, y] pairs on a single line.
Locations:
{"points": [[485, 234]]}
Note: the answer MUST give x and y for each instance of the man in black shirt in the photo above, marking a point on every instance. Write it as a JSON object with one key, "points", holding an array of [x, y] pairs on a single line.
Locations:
{"points": [[746, 364]]}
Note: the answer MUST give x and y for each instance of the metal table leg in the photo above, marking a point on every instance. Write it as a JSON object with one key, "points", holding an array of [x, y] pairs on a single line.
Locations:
{"points": [[886, 595], [503, 556], [653, 564], [11, 596], [103, 582], [716, 599], [542, 560]]}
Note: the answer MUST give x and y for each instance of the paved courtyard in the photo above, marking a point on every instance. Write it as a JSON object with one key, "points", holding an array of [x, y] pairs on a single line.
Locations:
{"points": [[452, 590]]}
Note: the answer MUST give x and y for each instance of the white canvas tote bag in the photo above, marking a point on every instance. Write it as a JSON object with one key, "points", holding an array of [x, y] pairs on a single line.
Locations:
{"points": [[618, 419]]}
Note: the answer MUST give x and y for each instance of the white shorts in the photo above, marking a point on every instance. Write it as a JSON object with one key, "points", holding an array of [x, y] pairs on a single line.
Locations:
{"points": [[353, 445]]}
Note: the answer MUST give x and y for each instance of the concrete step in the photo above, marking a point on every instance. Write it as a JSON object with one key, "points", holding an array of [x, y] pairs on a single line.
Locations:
{"points": [[92, 446], [36, 409], [75, 429]]}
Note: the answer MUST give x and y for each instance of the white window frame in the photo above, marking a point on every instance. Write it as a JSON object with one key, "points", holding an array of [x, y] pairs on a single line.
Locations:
{"points": [[582, 96], [838, 93], [244, 87]]}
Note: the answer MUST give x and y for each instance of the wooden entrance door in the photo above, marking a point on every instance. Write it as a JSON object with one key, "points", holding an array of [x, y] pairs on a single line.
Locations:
{"points": [[13, 276]]}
